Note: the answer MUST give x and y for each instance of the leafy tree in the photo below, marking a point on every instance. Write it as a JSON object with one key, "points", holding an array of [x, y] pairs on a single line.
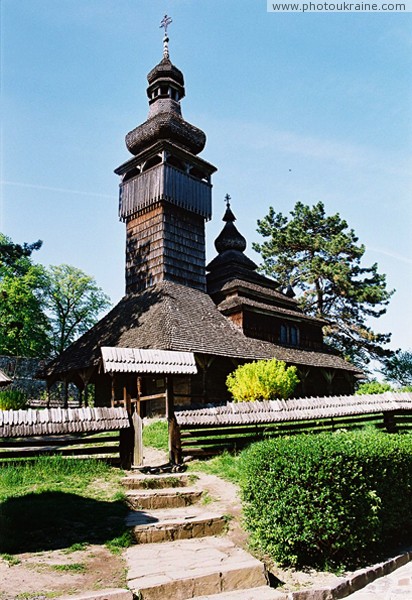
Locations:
{"points": [[74, 302], [320, 255], [398, 368], [262, 380], [373, 387], [11, 253], [24, 327]]}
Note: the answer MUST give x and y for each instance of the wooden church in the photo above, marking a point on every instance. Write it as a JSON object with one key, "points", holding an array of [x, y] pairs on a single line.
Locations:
{"points": [[182, 325]]}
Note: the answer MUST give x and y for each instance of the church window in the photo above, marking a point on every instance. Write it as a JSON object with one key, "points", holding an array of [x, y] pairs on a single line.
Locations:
{"points": [[130, 174], [289, 335], [152, 162], [198, 174], [293, 335], [175, 162]]}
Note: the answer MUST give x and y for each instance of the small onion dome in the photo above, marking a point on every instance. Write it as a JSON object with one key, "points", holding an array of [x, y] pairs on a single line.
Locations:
{"points": [[230, 238], [166, 70], [166, 126]]}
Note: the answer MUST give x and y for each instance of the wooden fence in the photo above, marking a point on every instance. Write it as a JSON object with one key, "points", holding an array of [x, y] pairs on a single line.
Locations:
{"points": [[102, 433], [210, 430]]}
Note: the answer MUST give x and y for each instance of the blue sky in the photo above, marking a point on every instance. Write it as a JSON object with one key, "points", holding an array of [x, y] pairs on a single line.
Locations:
{"points": [[295, 107]]}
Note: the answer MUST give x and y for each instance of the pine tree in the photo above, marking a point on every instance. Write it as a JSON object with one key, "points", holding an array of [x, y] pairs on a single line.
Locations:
{"points": [[320, 256]]}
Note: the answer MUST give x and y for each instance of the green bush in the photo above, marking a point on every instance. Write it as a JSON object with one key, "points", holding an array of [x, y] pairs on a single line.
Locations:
{"points": [[373, 387], [329, 500], [262, 380], [12, 399]]}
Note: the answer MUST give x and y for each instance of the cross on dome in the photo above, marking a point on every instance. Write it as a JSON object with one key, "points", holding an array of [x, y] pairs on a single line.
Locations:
{"points": [[165, 22]]}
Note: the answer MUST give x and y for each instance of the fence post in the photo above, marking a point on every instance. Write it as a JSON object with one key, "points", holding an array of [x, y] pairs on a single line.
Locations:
{"points": [[389, 421], [138, 440], [175, 443], [126, 447]]}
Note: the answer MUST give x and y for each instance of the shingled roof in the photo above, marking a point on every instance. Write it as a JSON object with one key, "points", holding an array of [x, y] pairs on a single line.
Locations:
{"points": [[136, 360], [235, 302], [170, 316]]}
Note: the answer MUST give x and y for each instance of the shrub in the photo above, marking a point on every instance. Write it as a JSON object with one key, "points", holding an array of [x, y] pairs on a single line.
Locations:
{"points": [[12, 399], [262, 380], [373, 387], [328, 500]]}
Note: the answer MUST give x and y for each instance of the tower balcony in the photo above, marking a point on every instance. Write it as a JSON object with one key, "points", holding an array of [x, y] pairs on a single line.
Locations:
{"points": [[165, 182]]}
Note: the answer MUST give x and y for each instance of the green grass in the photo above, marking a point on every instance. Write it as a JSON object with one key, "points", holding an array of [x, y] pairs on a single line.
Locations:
{"points": [[225, 465], [71, 568], [116, 545], [89, 477], [76, 547], [155, 435], [11, 560], [207, 498], [54, 502]]}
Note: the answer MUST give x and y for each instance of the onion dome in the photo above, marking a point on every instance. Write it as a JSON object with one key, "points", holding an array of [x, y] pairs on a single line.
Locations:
{"points": [[229, 238], [166, 70], [165, 122], [230, 245]]}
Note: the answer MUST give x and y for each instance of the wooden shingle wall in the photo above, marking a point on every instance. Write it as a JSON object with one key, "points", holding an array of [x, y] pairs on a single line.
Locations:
{"points": [[165, 243]]}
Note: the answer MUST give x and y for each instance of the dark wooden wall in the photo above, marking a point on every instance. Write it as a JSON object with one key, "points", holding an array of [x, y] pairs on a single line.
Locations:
{"points": [[165, 242]]}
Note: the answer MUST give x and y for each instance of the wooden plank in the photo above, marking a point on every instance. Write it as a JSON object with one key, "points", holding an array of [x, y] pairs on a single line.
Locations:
{"points": [[63, 451], [152, 397], [11, 443], [228, 430], [210, 441]]}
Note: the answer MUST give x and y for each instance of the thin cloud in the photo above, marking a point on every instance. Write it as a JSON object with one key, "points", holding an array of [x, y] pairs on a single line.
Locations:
{"points": [[54, 189], [394, 255], [341, 152]]}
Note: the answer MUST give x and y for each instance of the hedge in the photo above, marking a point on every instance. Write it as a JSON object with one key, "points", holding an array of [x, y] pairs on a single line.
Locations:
{"points": [[329, 500]]}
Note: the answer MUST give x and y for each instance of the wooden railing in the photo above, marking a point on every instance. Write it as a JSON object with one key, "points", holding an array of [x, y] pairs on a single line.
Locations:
{"points": [[165, 182], [100, 433], [210, 430]]}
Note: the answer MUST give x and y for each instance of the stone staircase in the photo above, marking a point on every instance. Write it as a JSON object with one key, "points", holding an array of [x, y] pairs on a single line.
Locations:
{"points": [[181, 553]]}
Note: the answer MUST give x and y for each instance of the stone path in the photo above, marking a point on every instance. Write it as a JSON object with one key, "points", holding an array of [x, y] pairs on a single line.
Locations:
{"points": [[194, 560], [396, 586]]}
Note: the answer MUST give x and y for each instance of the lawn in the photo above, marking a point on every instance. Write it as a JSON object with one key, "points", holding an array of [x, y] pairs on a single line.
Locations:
{"points": [[53, 503]]}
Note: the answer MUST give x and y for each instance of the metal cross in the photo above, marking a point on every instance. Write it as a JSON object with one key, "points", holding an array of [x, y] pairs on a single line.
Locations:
{"points": [[227, 200], [165, 22]]}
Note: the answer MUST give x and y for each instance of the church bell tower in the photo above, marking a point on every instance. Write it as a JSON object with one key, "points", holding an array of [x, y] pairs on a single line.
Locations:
{"points": [[165, 190]]}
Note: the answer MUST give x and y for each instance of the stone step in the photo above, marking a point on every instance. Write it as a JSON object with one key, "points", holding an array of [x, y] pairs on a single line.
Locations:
{"points": [[139, 481], [163, 498], [174, 524], [186, 569], [259, 593]]}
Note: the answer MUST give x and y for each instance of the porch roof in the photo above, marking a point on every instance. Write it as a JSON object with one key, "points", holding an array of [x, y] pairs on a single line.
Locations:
{"points": [[137, 360], [4, 380]]}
